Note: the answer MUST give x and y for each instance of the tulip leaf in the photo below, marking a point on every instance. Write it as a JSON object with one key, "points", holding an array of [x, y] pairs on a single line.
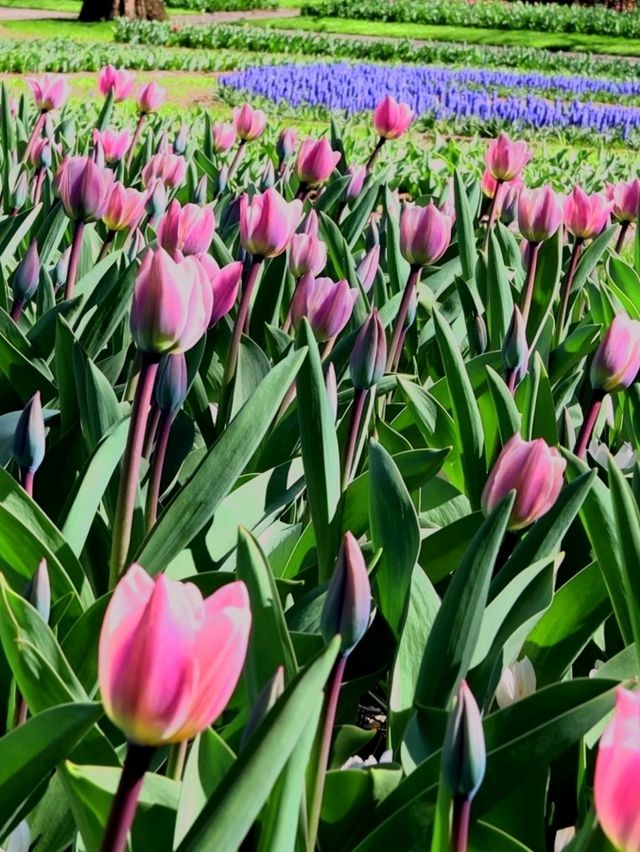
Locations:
{"points": [[464, 228], [397, 266], [507, 415], [499, 298]]}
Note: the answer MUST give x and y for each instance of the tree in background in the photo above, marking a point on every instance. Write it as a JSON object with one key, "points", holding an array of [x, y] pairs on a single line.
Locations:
{"points": [[98, 10]]}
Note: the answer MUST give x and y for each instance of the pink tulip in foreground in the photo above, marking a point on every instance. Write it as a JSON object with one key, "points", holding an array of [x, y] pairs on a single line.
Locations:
{"points": [[267, 223], [186, 230], [425, 234], [222, 137], [586, 215], [115, 144], [125, 208], [506, 159], [327, 305], [316, 161], [540, 214], [391, 119], [150, 98], [171, 169], [532, 469], [225, 284], [116, 80], [249, 123], [617, 774], [50, 91], [617, 360], [307, 254]]}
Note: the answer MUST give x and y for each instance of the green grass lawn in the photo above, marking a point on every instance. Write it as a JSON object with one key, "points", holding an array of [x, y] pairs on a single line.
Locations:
{"points": [[74, 6], [470, 35], [102, 31]]}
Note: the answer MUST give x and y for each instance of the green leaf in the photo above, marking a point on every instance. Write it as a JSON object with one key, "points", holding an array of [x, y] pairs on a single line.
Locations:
{"points": [[591, 256], [464, 228], [506, 411], [499, 299]]}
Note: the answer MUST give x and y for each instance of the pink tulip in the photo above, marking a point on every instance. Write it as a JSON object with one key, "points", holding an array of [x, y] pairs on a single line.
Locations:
{"points": [[506, 159], [368, 267], [41, 154], [617, 360], [310, 223], [116, 80], [391, 119], [358, 177], [626, 199], [539, 213], [327, 305], [316, 161], [425, 234], [267, 223], [488, 184], [532, 469], [125, 208], [150, 98], [509, 195], [172, 304], [616, 788], [188, 229], [248, 122], [586, 215], [222, 137], [169, 661], [83, 188], [50, 91], [114, 144], [225, 283], [307, 255], [170, 168]]}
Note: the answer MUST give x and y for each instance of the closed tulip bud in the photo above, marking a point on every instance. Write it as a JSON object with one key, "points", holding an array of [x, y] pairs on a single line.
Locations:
{"points": [[464, 756], [480, 332], [223, 137], [136, 246], [171, 383], [310, 224], [539, 214], [191, 652], [249, 123], [307, 255], [38, 591], [372, 235], [116, 80], [172, 304], [222, 179], [516, 682], [368, 268], [61, 269], [20, 192], [225, 283], [391, 119], [358, 177], [50, 91], [125, 208], [316, 161], [617, 360], [532, 469], [616, 789], [170, 168], [180, 142], [84, 188], [425, 234], [515, 351], [188, 229], [156, 202], [626, 200], [331, 385], [114, 144], [509, 201], [200, 194], [29, 436], [27, 275], [267, 698], [267, 223], [286, 144], [369, 354], [506, 159], [327, 305], [150, 98], [41, 155], [268, 178], [586, 215], [347, 607]]}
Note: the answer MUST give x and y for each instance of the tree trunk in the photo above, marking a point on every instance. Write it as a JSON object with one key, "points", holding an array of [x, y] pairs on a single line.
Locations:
{"points": [[99, 10]]}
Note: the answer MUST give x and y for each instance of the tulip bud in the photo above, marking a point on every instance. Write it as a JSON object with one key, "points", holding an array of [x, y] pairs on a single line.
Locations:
{"points": [[532, 469], [29, 436], [150, 98], [369, 354], [316, 161], [310, 224], [368, 268], [391, 119], [267, 223], [136, 246], [509, 201], [517, 681], [626, 200], [347, 607], [331, 385], [515, 351], [464, 756], [307, 255], [124, 209], [286, 144], [38, 591], [222, 179], [49, 91], [156, 203], [20, 192], [358, 177], [327, 305], [27, 274], [249, 123], [425, 234], [180, 142], [222, 137], [171, 169], [171, 383], [617, 360], [586, 215], [539, 214], [200, 194], [616, 789], [116, 80], [481, 338], [61, 269], [268, 176], [113, 144], [372, 236], [506, 159], [84, 188], [267, 698]]}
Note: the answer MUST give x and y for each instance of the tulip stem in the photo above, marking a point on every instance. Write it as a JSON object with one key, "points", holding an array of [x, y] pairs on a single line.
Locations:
{"points": [[493, 213], [152, 428], [106, 245], [460, 827], [21, 711], [359, 400], [534, 251], [16, 309], [568, 283], [411, 285], [331, 706], [136, 139], [236, 160], [125, 803], [157, 466], [624, 227], [177, 760], [374, 154], [123, 520], [37, 191], [74, 259], [511, 381], [35, 133], [232, 358], [588, 424]]}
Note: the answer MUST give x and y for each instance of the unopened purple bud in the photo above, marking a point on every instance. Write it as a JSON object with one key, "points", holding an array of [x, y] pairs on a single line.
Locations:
{"points": [[38, 591], [464, 756], [310, 223], [515, 351], [136, 246], [372, 237], [268, 696], [29, 437], [61, 269], [49, 128], [358, 177], [180, 143], [200, 195], [331, 385], [369, 353], [286, 144], [368, 268], [222, 180], [347, 607], [268, 177], [27, 274], [171, 384], [156, 203], [20, 192], [481, 336]]}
